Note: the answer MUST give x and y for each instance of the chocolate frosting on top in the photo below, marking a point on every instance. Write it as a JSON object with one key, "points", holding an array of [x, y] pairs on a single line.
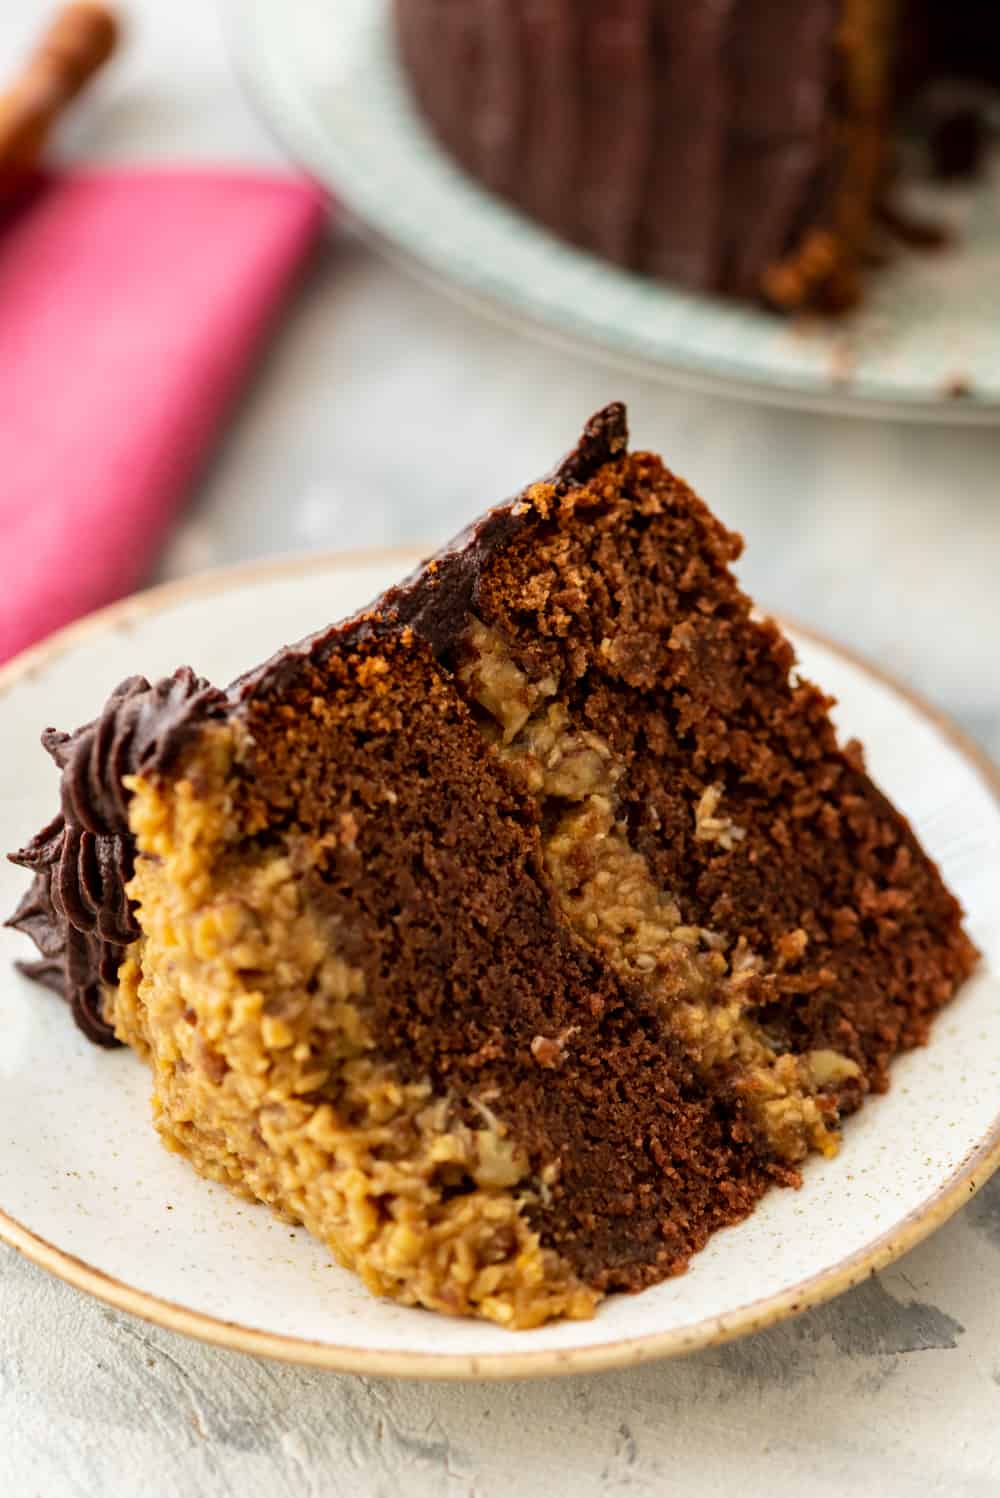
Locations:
{"points": [[436, 599], [76, 910]]}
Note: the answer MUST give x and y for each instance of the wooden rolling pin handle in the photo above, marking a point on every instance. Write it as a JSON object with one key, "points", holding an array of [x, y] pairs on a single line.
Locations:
{"points": [[79, 41]]}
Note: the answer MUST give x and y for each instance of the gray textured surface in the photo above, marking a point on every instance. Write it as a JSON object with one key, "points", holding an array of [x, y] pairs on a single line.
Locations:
{"points": [[891, 1389], [385, 414]]}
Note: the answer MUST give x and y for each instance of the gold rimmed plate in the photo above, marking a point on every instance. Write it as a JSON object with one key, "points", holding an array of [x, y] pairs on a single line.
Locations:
{"points": [[87, 1191]]}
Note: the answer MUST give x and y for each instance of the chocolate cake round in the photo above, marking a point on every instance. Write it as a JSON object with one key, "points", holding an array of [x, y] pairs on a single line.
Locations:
{"points": [[740, 146], [515, 934]]}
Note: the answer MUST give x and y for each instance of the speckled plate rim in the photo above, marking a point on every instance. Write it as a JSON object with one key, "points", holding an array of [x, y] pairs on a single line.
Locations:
{"points": [[967, 1178], [272, 93]]}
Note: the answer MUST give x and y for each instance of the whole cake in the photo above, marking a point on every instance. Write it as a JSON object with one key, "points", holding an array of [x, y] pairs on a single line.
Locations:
{"points": [[515, 934], [741, 146]]}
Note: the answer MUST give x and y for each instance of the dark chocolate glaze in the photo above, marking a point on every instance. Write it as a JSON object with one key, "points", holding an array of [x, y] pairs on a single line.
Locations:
{"points": [[694, 140], [681, 138], [76, 910], [437, 598]]}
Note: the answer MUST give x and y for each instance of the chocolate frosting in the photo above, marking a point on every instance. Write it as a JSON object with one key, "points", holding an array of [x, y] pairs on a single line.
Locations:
{"points": [[694, 140], [76, 910], [685, 139]]}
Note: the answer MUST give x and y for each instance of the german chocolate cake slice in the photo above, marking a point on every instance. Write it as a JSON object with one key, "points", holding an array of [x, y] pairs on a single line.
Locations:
{"points": [[515, 934]]}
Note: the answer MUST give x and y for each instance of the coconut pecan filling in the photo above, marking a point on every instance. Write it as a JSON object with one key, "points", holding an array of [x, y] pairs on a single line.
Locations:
{"points": [[611, 900]]}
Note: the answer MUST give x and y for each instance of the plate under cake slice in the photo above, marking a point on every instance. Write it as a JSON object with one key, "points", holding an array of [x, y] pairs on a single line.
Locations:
{"points": [[515, 934]]}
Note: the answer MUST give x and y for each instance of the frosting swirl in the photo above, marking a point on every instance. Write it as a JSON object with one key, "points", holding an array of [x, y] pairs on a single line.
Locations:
{"points": [[76, 910]]}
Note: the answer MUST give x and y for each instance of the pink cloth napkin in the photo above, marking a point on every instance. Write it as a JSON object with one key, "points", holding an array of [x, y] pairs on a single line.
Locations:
{"points": [[132, 304]]}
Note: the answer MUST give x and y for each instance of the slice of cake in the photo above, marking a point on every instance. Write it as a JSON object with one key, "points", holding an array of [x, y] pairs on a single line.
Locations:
{"points": [[515, 934]]}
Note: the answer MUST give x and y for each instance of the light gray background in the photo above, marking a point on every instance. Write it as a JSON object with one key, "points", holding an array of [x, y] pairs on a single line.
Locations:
{"points": [[383, 414]]}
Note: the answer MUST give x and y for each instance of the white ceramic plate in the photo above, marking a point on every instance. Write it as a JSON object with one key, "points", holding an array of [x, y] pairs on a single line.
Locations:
{"points": [[327, 78], [87, 1190]]}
